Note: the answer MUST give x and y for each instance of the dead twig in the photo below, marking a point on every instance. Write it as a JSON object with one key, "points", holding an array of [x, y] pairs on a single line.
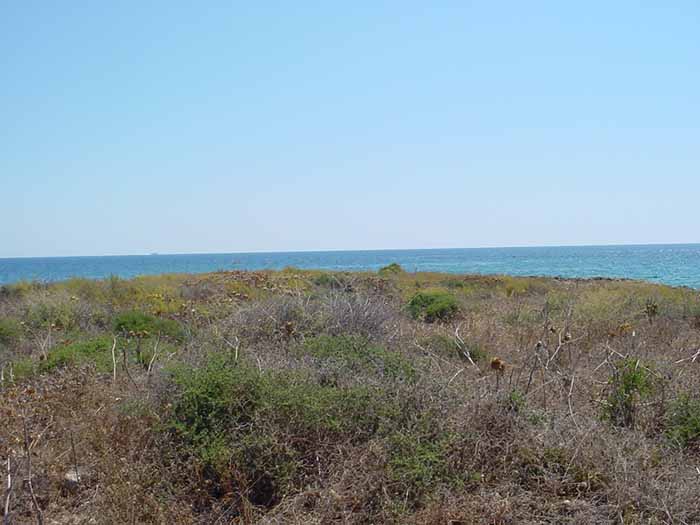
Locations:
{"points": [[568, 397], [692, 358], [234, 346], [455, 376], [30, 484], [75, 458], [114, 360], [463, 347], [8, 492], [153, 358]]}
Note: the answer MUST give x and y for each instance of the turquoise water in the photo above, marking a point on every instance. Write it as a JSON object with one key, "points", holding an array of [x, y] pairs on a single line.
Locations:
{"points": [[677, 264]]}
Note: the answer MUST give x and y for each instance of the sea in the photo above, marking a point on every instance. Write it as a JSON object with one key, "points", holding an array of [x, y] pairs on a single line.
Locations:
{"points": [[676, 264]]}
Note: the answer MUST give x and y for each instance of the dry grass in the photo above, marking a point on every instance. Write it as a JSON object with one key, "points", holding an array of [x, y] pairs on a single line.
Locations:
{"points": [[311, 397]]}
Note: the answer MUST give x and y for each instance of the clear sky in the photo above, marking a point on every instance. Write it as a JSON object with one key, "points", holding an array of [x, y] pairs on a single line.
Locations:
{"points": [[173, 127]]}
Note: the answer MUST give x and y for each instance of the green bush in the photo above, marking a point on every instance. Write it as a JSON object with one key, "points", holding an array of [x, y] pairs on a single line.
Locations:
{"points": [[419, 462], [391, 269], [453, 284], [358, 354], [135, 323], [97, 351], [516, 401], [270, 465], [230, 413], [56, 311], [450, 347], [223, 398], [23, 368], [87, 289], [683, 425], [415, 461], [19, 289], [212, 400], [323, 412], [651, 310], [630, 383], [10, 332], [433, 306], [515, 285], [334, 281]]}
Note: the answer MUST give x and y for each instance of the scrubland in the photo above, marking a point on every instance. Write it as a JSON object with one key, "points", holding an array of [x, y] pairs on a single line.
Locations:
{"points": [[314, 397]]}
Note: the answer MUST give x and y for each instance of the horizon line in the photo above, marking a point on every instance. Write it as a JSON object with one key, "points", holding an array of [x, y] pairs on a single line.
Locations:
{"points": [[341, 250]]}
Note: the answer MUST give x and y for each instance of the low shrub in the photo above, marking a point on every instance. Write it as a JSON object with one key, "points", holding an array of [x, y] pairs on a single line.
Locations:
{"points": [[60, 311], [358, 354], [433, 306], [87, 289], [333, 281], [21, 369], [134, 323], [453, 284], [683, 425], [516, 401], [229, 413], [630, 383], [275, 320], [514, 285], [213, 399], [10, 332], [651, 310], [97, 351], [268, 467], [200, 290], [391, 269], [450, 347], [419, 461], [20, 289], [323, 412], [225, 395], [370, 317]]}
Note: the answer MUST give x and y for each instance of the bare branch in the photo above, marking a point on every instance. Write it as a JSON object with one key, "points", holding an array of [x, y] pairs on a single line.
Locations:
{"points": [[114, 360], [30, 484], [463, 347], [8, 492], [75, 457], [153, 358]]}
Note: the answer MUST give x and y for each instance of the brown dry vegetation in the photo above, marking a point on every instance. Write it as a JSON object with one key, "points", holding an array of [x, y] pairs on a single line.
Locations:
{"points": [[314, 397]]}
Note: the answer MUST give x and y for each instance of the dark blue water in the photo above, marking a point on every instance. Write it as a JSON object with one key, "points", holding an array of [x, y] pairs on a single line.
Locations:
{"points": [[677, 264]]}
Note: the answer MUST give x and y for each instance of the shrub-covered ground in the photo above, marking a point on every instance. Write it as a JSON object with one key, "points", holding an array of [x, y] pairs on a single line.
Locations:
{"points": [[313, 397]]}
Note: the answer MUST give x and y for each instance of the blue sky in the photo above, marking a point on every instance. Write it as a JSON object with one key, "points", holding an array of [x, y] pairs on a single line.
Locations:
{"points": [[136, 127]]}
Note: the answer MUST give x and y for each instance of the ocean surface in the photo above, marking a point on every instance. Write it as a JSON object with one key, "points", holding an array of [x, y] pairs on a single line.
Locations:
{"points": [[677, 264]]}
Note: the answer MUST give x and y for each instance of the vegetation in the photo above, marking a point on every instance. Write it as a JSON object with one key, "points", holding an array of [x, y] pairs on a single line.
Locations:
{"points": [[433, 306], [391, 269], [334, 397], [94, 351], [357, 354], [684, 421], [139, 324], [10, 331], [631, 382]]}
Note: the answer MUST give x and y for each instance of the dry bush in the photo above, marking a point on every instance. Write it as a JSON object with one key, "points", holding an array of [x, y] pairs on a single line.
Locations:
{"points": [[280, 320], [371, 317]]}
